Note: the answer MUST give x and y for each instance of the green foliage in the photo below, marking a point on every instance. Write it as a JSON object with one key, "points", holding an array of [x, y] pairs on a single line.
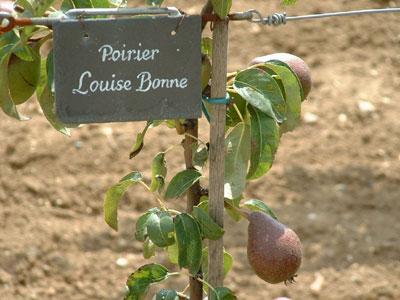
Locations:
{"points": [[160, 228], [114, 195], [189, 241], [228, 262], [139, 282], [159, 172], [209, 229], [258, 205], [181, 182], [264, 143], [237, 145], [262, 91], [223, 293], [167, 295], [222, 7]]}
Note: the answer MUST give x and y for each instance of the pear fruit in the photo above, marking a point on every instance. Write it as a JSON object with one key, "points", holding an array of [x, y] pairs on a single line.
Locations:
{"points": [[273, 250], [297, 65]]}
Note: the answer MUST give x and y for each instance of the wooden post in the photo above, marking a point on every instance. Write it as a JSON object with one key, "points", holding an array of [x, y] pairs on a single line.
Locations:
{"points": [[193, 196], [217, 149]]}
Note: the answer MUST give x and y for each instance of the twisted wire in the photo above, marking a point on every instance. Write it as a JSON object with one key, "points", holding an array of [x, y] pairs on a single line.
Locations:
{"points": [[281, 18]]}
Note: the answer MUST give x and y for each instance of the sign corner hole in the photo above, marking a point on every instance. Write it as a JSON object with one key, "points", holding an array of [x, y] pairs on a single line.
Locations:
{"points": [[86, 35], [173, 32]]}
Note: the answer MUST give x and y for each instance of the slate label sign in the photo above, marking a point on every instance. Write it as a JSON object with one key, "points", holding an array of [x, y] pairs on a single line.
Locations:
{"points": [[117, 70]]}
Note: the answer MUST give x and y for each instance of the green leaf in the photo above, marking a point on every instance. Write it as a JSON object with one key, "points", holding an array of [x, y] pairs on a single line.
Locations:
{"points": [[149, 249], [160, 228], [199, 155], [141, 224], [223, 293], [173, 253], [23, 77], [288, 2], [181, 182], [40, 7], [167, 295], [47, 102], [154, 2], [237, 145], [159, 172], [222, 7], [262, 91], [189, 242], [232, 115], [228, 262], [6, 102], [209, 228], [114, 195], [292, 93], [264, 143], [206, 46], [139, 141], [258, 205], [138, 282], [71, 4]]}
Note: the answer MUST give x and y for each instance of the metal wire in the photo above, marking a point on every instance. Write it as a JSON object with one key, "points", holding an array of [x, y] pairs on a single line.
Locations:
{"points": [[7, 21], [281, 18]]}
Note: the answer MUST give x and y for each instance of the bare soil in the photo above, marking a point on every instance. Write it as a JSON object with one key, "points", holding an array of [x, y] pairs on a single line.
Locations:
{"points": [[336, 179]]}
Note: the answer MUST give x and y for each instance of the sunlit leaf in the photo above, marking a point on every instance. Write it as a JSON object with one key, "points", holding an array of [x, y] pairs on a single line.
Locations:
{"points": [[6, 103], [292, 92], [159, 172], [47, 101], [141, 224], [222, 7], [181, 182], [173, 253], [262, 91], [23, 77], [189, 242], [149, 249], [139, 282], [237, 145], [160, 229], [199, 155], [114, 195], [264, 143], [258, 205], [139, 141], [208, 227]]}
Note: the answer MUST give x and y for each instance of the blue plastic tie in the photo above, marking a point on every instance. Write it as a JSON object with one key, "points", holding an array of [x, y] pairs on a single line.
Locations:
{"points": [[224, 100]]}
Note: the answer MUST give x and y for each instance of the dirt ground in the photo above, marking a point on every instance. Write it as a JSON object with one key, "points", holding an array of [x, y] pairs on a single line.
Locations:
{"points": [[336, 179]]}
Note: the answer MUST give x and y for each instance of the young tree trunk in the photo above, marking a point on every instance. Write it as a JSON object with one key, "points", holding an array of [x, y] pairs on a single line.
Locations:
{"points": [[193, 196]]}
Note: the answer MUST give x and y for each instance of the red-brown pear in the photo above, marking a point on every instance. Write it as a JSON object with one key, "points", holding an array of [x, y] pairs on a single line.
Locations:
{"points": [[297, 65], [273, 250]]}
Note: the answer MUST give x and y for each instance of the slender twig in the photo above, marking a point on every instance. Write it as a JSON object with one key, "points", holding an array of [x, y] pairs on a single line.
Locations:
{"points": [[159, 200], [196, 139], [238, 112]]}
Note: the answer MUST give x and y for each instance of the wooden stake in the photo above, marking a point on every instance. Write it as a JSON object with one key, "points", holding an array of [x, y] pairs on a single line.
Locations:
{"points": [[217, 149], [193, 196]]}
